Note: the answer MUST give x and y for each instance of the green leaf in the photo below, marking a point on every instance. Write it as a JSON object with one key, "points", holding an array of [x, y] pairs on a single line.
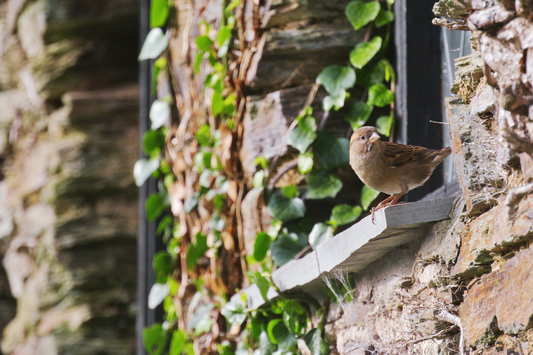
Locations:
{"points": [[261, 245], [315, 343], [216, 222], [358, 114], [294, 317], [380, 96], [203, 136], [153, 142], [285, 209], [158, 13], [344, 214], [335, 102], [364, 52], [262, 283], [279, 335], [217, 103], [198, 58], [301, 139], [163, 266], [196, 251], [203, 43], [158, 292], [262, 161], [155, 205], [360, 13], [305, 162], [370, 75], [205, 179], [367, 196], [290, 191], [177, 343], [307, 123], [285, 248], [384, 17], [154, 44], [143, 169], [320, 233], [159, 113], [384, 124], [336, 78], [321, 184], [265, 346], [234, 310], [331, 151], [155, 339], [191, 203]]}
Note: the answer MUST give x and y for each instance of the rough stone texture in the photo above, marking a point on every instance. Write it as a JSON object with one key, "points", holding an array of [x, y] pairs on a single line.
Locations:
{"points": [[68, 205], [503, 226], [480, 176], [500, 301]]}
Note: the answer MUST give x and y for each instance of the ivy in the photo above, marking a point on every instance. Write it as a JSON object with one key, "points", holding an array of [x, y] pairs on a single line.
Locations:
{"points": [[203, 189]]}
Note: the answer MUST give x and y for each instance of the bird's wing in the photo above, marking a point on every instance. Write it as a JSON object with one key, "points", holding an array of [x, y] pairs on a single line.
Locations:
{"points": [[399, 154]]}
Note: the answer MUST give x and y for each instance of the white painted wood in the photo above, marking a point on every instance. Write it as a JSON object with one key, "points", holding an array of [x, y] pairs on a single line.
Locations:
{"points": [[358, 246], [297, 273]]}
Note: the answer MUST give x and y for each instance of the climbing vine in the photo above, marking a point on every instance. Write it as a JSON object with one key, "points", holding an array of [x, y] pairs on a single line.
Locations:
{"points": [[201, 185]]}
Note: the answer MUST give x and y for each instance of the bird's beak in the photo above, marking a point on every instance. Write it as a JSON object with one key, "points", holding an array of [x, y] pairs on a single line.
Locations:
{"points": [[374, 137]]}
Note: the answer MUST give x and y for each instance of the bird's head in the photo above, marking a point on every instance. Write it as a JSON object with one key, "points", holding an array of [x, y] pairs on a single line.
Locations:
{"points": [[364, 140]]}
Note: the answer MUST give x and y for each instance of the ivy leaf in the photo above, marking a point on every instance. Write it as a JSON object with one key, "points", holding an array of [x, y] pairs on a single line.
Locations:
{"points": [[234, 310], [305, 162], [379, 95], [155, 339], [320, 233], [158, 13], [158, 292], [360, 13], [336, 78], [321, 184], [358, 114], [196, 251], [203, 43], [223, 38], [154, 44], [285, 248], [201, 320], [384, 124], [290, 191], [367, 196], [285, 209], [331, 151], [153, 142], [315, 343], [262, 283], [261, 245], [307, 123], [159, 113], [384, 17], [301, 139], [265, 346], [364, 52], [335, 102], [163, 266], [370, 75], [203, 136], [280, 335], [344, 214], [155, 205], [143, 169], [177, 343], [217, 103]]}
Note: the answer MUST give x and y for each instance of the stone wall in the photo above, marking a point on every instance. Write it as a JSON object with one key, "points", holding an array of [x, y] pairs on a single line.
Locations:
{"points": [[477, 265], [68, 205]]}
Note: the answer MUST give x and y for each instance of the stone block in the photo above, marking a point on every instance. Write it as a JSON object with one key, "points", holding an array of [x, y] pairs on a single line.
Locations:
{"points": [[474, 148], [509, 223], [500, 301]]}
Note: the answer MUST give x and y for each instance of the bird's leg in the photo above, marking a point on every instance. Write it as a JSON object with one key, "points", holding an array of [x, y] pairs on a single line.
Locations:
{"points": [[389, 201]]}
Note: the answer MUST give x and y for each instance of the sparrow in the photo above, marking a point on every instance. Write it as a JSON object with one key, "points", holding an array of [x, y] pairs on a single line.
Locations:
{"points": [[391, 168]]}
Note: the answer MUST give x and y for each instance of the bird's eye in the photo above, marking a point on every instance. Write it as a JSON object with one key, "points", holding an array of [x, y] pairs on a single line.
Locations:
{"points": [[362, 137]]}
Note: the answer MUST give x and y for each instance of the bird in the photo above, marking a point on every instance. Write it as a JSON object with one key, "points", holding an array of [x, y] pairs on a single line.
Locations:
{"points": [[391, 168]]}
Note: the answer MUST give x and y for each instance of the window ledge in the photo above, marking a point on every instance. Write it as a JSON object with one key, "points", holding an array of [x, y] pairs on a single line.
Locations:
{"points": [[355, 248]]}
